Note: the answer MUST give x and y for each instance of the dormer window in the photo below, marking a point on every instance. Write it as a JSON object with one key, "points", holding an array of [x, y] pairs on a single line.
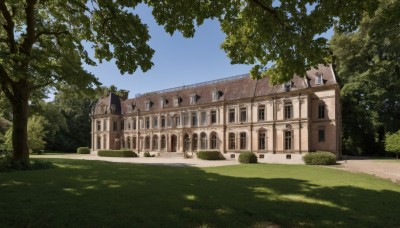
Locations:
{"points": [[177, 101], [163, 102], [319, 79], [147, 104], [193, 98], [287, 86], [215, 95]]}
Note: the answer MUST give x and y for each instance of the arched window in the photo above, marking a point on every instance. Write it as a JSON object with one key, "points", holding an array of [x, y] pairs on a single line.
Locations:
{"points": [[213, 140], [288, 140], [163, 142], [147, 143], [194, 142], [243, 140], [203, 140], [232, 145], [155, 142], [186, 143], [261, 139]]}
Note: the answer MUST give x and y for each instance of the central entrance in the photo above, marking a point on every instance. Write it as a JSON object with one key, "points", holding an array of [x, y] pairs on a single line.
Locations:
{"points": [[174, 143]]}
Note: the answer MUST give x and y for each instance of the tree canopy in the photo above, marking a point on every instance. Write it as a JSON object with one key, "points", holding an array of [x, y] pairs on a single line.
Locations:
{"points": [[392, 143], [368, 67], [42, 41]]}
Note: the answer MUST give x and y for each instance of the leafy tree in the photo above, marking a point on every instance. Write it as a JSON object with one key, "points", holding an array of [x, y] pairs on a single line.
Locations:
{"points": [[36, 134], [368, 66], [392, 143], [42, 41]]}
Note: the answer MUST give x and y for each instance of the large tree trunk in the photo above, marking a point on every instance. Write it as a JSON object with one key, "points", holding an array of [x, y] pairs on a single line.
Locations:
{"points": [[20, 108]]}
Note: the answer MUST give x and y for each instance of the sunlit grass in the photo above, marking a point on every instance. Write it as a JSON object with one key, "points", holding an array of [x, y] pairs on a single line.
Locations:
{"points": [[102, 194]]}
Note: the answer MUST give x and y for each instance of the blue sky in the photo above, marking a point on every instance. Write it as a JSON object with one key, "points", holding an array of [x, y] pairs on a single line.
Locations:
{"points": [[177, 60]]}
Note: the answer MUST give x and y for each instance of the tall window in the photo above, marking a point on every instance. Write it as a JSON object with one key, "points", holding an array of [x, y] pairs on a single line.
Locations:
{"points": [[155, 142], [213, 140], [231, 115], [288, 110], [243, 140], [321, 111], [162, 121], [213, 117], [186, 143], [122, 125], [147, 122], [128, 142], [215, 95], [177, 101], [98, 142], [129, 124], [288, 140], [147, 104], [193, 98], [134, 143], [194, 119], [261, 113], [194, 142], [203, 140], [261, 140], [203, 118], [163, 142], [185, 119], [147, 143], [177, 121], [162, 102], [232, 145], [98, 123], [155, 121], [243, 114], [321, 135], [115, 126], [318, 79]]}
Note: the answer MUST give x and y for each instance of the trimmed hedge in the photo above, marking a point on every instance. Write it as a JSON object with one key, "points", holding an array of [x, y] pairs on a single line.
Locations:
{"points": [[320, 158], [116, 153], [210, 155], [247, 157], [83, 150], [148, 155]]}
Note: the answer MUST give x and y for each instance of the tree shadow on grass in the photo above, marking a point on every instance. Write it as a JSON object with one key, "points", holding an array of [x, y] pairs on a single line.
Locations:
{"points": [[101, 194]]}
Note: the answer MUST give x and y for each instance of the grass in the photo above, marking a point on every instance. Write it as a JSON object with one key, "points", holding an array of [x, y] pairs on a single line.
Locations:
{"points": [[102, 194]]}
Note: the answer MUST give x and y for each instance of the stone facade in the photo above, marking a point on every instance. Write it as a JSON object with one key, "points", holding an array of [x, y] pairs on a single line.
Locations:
{"points": [[231, 115]]}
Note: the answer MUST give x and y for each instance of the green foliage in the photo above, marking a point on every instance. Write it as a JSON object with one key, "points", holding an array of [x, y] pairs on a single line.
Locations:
{"points": [[83, 150], [147, 154], [367, 65], [392, 143], [210, 155], [7, 165], [247, 157], [116, 153], [36, 134], [320, 158]]}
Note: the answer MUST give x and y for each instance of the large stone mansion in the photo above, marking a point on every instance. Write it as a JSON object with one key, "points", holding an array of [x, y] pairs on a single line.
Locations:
{"points": [[230, 115]]}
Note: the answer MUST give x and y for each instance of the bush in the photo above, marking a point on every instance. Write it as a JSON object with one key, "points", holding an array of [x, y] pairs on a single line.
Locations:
{"points": [[7, 165], [210, 155], [116, 153], [147, 154], [320, 158], [247, 157], [83, 150]]}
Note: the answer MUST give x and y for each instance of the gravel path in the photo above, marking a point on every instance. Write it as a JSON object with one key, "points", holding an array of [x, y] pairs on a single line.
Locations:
{"points": [[383, 168]]}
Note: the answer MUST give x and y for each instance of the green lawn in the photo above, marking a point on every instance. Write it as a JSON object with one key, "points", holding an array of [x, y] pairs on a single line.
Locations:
{"points": [[102, 194]]}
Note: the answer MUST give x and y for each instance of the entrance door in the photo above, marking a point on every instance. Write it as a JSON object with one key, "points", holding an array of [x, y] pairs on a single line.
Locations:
{"points": [[174, 142]]}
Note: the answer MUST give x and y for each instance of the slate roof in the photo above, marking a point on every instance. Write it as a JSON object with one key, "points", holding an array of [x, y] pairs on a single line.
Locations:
{"points": [[233, 88]]}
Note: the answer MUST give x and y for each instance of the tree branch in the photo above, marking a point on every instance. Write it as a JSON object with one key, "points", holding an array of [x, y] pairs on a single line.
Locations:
{"points": [[273, 12], [49, 32], [5, 82], [9, 26], [30, 27]]}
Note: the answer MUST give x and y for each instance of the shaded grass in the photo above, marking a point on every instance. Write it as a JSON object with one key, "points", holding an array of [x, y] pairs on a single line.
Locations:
{"points": [[103, 194]]}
